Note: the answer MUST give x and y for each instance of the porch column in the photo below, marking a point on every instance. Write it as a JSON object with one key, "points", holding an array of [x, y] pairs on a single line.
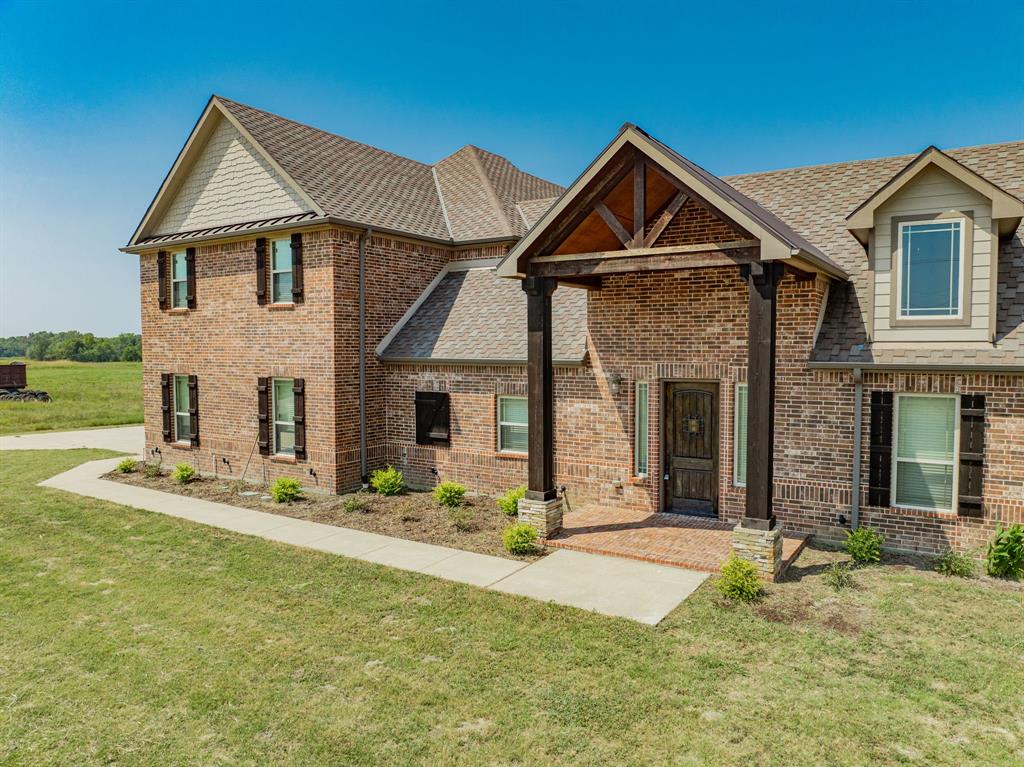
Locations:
{"points": [[541, 507], [758, 537]]}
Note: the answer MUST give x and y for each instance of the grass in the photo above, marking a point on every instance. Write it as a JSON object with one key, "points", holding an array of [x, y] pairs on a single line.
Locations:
{"points": [[135, 638], [84, 394]]}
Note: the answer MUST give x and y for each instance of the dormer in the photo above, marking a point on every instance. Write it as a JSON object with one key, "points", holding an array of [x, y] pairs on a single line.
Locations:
{"points": [[932, 234]]}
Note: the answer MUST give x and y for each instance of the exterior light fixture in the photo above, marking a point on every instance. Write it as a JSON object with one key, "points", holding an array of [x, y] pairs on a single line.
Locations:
{"points": [[614, 383]]}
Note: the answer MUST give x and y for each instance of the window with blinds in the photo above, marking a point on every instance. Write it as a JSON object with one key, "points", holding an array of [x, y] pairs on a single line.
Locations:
{"points": [[740, 437], [640, 428], [924, 461], [182, 420], [284, 416], [512, 425]]}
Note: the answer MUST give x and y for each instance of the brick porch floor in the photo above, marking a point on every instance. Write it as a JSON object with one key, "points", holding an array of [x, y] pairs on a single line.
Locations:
{"points": [[667, 539]]}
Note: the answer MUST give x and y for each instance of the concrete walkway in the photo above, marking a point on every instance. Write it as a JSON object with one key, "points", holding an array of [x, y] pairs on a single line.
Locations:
{"points": [[124, 439], [639, 591]]}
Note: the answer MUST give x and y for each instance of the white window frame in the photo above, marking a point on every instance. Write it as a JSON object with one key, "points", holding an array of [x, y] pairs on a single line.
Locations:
{"points": [[181, 438], [740, 385], [273, 271], [183, 280], [500, 447], [637, 444], [898, 257], [954, 463], [273, 416]]}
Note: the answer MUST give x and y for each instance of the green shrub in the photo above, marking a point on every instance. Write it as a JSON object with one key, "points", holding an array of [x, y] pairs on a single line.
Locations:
{"points": [[839, 576], [864, 545], [449, 494], [127, 466], [519, 538], [355, 504], [1005, 556], [739, 581], [183, 473], [153, 470], [461, 517], [509, 503], [285, 490], [955, 564], [387, 481]]}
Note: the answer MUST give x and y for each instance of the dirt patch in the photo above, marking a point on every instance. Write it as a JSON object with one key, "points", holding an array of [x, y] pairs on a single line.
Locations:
{"points": [[415, 516], [783, 612]]}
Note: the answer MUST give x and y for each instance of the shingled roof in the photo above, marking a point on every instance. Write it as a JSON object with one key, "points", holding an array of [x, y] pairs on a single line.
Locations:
{"points": [[472, 315]]}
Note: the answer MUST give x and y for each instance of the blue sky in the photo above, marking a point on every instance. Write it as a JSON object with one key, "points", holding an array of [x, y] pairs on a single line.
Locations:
{"points": [[97, 98]]}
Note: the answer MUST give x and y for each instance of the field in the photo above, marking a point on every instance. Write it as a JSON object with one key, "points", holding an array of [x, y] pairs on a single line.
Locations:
{"points": [[134, 638], [85, 394]]}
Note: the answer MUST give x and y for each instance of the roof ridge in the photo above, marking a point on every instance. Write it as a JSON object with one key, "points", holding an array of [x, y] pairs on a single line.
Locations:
{"points": [[440, 198], [489, 190]]}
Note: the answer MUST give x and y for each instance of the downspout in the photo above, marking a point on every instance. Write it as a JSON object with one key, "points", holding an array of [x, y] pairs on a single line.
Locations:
{"points": [[858, 423], [363, 475]]}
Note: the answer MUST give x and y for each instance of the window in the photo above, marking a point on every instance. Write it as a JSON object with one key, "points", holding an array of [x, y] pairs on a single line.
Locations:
{"points": [[432, 417], [284, 416], [924, 463], [512, 425], [739, 437], [640, 431], [179, 280], [281, 271], [930, 269], [182, 420]]}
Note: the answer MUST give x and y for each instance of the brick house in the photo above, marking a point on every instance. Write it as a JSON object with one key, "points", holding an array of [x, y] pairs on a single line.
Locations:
{"points": [[806, 349]]}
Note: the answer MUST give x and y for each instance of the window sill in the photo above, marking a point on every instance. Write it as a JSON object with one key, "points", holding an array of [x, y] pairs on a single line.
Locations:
{"points": [[513, 456], [179, 310], [281, 307], [186, 445], [283, 459]]}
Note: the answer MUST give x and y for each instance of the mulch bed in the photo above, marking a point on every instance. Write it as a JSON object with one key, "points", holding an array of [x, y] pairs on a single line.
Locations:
{"points": [[413, 515]]}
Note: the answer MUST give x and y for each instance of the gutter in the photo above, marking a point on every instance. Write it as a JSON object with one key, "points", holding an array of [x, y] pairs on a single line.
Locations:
{"points": [[363, 474], [858, 423], [919, 367], [477, 362]]}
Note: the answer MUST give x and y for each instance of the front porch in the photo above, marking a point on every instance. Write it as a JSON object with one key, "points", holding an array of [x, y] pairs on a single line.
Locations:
{"points": [[676, 540]]}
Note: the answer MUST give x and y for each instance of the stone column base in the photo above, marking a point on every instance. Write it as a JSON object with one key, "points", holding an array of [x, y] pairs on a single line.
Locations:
{"points": [[763, 548], [544, 516]]}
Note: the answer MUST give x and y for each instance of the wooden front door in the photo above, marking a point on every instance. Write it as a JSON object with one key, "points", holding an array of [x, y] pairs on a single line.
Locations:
{"points": [[691, 448]]}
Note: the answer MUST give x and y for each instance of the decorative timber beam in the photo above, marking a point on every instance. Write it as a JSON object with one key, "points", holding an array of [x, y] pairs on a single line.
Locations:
{"points": [[643, 260], [639, 199], [540, 389], [665, 218], [614, 224]]}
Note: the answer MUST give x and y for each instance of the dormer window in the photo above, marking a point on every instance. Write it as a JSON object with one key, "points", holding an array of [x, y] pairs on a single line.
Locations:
{"points": [[931, 269]]}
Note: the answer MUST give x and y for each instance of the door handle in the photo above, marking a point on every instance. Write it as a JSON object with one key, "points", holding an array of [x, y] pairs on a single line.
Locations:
{"points": [[665, 478]]}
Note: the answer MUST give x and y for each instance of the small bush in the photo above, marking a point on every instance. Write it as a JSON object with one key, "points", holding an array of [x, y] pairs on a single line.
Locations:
{"points": [[519, 538], [387, 481], [450, 494], [739, 581], [183, 473], [152, 471], [1005, 556], [356, 504], [955, 565], [461, 517], [864, 545], [509, 503], [285, 490], [127, 466], [838, 576]]}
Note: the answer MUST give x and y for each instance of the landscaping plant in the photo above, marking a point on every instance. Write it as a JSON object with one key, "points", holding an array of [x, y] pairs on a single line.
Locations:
{"points": [[387, 481], [450, 494], [739, 581], [955, 564], [519, 538], [838, 576], [127, 466], [183, 473], [285, 490], [509, 502], [461, 517], [356, 503], [153, 470], [1005, 556], [864, 545]]}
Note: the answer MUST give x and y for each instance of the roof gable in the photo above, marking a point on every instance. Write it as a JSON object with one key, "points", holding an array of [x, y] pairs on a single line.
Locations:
{"points": [[1006, 208]]}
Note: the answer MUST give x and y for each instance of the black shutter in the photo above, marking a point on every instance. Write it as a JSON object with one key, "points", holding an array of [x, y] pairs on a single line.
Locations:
{"points": [[193, 411], [880, 468], [161, 278], [166, 381], [261, 270], [263, 409], [299, 398], [432, 417], [190, 276], [297, 291], [972, 454]]}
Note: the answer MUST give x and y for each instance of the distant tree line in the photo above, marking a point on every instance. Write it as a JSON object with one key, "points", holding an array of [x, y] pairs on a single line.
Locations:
{"points": [[73, 345]]}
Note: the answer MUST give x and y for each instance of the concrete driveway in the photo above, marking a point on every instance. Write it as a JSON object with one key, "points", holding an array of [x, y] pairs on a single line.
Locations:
{"points": [[124, 439]]}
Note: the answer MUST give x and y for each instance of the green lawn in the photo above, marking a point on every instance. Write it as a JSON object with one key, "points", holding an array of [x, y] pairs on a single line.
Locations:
{"points": [[134, 638], [84, 394]]}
